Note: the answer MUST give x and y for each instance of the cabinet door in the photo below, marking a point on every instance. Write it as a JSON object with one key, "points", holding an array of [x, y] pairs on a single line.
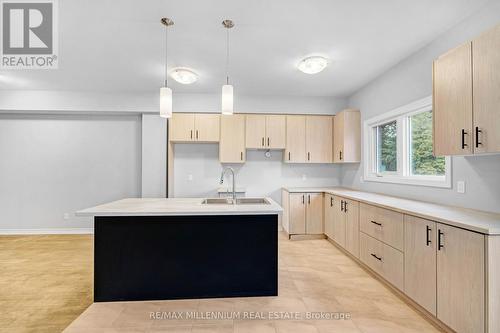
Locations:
{"points": [[314, 214], [182, 127], [460, 279], [351, 212], [328, 215], [255, 131], [486, 82], [319, 139], [232, 139], [275, 131], [351, 152], [453, 102], [339, 231], [297, 213], [295, 151], [338, 137], [420, 261], [207, 127]]}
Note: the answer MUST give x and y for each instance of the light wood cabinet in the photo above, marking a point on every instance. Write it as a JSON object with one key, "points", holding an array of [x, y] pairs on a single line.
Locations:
{"points": [[329, 216], [339, 227], [347, 137], [304, 213], [486, 91], [346, 224], [190, 127], [460, 279], [383, 224], [295, 151], [319, 139], [420, 261], [452, 98], [232, 139], [265, 131]]}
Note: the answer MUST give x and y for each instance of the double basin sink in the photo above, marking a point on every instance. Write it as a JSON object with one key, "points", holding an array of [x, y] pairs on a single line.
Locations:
{"points": [[239, 201]]}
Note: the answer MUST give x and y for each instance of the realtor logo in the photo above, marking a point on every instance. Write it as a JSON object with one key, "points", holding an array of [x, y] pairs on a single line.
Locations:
{"points": [[29, 34]]}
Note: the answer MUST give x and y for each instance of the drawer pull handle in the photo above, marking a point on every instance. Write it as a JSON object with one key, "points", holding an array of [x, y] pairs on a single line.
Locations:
{"points": [[440, 234], [379, 224], [376, 257]]}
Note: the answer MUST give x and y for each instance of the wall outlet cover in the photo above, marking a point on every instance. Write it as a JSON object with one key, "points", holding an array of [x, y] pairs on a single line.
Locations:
{"points": [[190, 177], [304, 177], [461, 186]]}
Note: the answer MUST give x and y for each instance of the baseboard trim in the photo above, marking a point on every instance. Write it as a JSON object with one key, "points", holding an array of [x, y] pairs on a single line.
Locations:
{"points": [[47, 231]]}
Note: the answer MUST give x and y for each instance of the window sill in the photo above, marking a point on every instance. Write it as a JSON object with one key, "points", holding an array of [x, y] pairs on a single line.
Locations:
{"points": [[424, 181]]}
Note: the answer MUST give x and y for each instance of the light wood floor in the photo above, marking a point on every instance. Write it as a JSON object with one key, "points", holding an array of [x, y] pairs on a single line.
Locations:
{"points": [[45, 281], [314, 276]]}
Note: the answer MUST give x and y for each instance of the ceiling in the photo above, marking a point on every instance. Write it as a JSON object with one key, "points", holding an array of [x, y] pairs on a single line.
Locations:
{"points": [[110, 46]]}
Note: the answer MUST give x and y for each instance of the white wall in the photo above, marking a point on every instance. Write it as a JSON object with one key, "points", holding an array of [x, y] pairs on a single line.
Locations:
{"points": [[411, 80], [154, 156], [56, 164]]}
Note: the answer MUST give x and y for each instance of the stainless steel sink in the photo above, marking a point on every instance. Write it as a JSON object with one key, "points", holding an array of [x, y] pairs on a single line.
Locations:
{"points": [[239, 201]]}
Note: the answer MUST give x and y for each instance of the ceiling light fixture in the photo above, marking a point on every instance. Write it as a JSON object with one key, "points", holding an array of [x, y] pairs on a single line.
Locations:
{"points": [[166, 92], [313, 64], [227, 89], [184, 75]]}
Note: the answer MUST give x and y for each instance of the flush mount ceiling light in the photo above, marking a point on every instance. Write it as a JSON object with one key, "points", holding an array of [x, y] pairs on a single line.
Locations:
{"points": [[184, 75], [165, 91], [227, 89], [313, 64]]}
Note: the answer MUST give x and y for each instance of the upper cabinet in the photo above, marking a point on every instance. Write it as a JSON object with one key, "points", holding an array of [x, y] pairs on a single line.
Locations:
{"points": [[309, 139], [265, 131], [190, 127], [466, 97], [232, 139], [347, 137]]}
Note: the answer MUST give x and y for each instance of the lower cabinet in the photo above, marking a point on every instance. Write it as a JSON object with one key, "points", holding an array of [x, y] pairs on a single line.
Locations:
{"points": [[345, 214], [303, 213], [329, 216]]}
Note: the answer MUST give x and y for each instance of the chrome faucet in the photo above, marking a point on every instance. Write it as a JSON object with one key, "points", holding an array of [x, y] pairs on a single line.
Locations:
{"points": [[222, 181]]}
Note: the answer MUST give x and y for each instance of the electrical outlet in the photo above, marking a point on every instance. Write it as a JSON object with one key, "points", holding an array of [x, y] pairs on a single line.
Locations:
{"points": [[190, 177], [461, 186], [361, 179], [304, 177], [66, 216]]}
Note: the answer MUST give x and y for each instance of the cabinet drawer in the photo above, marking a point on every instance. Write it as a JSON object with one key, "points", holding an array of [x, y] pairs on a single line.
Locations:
{"points": [[383, 259], [383, 224]]}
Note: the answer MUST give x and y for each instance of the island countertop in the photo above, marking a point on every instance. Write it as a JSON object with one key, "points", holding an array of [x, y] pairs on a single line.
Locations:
{"points": [[177, 207]]}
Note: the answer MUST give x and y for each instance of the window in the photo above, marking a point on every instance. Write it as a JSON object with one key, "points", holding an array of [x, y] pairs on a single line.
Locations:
{"points": [[399, 148]]}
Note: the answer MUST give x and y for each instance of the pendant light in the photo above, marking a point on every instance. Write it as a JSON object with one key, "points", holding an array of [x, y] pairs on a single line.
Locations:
{"points": [[227, 89], [166, 92]]}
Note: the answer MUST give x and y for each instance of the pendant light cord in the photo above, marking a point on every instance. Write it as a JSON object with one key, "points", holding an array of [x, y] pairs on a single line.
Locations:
{"points": [[166, 56], [227, 57]]}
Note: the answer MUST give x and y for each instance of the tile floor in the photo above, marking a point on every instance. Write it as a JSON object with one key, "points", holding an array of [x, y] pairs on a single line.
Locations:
{"points": [[314, 276]]}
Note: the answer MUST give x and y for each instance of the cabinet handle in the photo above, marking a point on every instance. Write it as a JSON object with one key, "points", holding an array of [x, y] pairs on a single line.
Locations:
{"points": [[341, 205], [428, 235], [331, 201], [196, 134], [308, 156], [241, 156], [340, 155], [309, 199], [440, 234], [376, 257], [478, 143], [302, 199], [289, 156], [191, 134], [268, 142], [262, 141], [463, 138], [374, 222], [345, 206]]}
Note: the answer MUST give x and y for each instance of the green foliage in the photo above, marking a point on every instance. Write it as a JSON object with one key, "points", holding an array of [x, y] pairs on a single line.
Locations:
{"points": [[388, 147], [423, 161]]}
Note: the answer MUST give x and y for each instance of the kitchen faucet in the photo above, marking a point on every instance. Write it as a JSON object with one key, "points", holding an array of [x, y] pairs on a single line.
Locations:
{"points": [[222, 181]]}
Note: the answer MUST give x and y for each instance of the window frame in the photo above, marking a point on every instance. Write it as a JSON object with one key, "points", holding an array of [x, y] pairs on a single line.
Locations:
{"points": [[403, 174]]}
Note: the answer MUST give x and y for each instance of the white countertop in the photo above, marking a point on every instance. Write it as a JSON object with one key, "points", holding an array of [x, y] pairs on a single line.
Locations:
{"points": [[474, 220], [177, 206]]}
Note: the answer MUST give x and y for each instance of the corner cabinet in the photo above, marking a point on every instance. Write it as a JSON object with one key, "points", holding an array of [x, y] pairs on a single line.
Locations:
{"points": [[309, 139], [347, 137], [232, 139], [265, 131], [466, 97], [194, 127]]}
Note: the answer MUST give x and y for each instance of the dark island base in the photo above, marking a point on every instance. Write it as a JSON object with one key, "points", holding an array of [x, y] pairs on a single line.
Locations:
{"points": [[140, 258]]}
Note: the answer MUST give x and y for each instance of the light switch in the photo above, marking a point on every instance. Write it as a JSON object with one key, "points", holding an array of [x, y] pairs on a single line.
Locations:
{"points": [[461, 186]]}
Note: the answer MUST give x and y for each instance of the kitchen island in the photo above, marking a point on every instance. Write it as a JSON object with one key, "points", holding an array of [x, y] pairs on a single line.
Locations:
{"points": [[181, 248]]}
